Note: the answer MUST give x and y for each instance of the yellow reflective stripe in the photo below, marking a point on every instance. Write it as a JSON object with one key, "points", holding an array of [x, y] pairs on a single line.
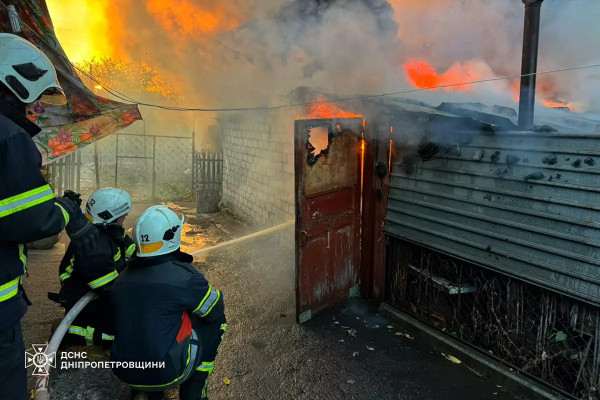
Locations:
{"points": [[213, 304], [208, 302], [68, 270], [206, 366], [77, 330], [25, 200], [87, 333], [117, 256], [103, 280], [64, 212], [204, 299], [130, 250], [10, 289], [224, 327], [174, 380], [23, 257]]}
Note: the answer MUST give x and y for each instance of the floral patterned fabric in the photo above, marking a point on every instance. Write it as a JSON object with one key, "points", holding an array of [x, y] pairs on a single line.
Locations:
{"points": [[86, 117]]}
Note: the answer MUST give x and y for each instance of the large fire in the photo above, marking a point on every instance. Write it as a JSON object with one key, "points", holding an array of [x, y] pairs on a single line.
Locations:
{"points": [[555, 104], [544, 94], [101, 28], [424, 76], [183, 19], [328, 110], [85, 36]]}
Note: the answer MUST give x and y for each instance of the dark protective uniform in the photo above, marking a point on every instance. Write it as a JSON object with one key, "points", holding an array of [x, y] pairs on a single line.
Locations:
{"points": [[166, 312], [95, 271], [28, 212]]}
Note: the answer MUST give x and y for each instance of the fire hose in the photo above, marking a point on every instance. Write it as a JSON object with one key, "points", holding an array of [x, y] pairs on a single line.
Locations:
{"points": [[43, 382]]}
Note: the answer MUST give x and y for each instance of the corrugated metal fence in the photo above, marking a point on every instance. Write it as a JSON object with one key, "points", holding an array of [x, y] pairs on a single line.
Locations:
{"points": [[523, 204]]}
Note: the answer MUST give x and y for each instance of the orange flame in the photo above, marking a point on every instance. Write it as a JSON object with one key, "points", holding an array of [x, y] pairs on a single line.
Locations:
{"points": [[555, 104], [544, 92], [422, 75], [328, 110], [183, 19]]}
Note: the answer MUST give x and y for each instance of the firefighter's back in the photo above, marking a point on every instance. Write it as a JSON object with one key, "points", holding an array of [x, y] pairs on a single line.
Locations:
{"points": [[149, 302]]}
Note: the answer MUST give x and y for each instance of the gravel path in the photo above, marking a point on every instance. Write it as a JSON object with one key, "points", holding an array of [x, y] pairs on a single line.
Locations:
{"points": [[265, 354]]}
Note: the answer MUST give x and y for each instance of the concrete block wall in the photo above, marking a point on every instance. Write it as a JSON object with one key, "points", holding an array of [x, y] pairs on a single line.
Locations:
{"points": [[258, 170]]}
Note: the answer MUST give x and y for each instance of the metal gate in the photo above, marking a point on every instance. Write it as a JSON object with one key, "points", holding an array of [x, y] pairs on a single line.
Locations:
{"points": [[328, 192]]}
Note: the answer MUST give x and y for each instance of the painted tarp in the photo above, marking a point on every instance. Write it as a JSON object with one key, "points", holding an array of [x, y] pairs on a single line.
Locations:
{"points": [[86, 118]]}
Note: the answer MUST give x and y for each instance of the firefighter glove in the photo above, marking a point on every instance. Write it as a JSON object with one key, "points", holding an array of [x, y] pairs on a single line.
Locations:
{"points": [[82, 232]]}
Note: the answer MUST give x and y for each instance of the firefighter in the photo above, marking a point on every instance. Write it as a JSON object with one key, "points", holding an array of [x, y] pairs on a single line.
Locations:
{"points": [[28, 209], [165, 312], [95, 270]]}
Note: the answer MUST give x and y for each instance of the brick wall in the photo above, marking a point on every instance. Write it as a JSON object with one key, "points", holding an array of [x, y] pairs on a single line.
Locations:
{"points": [[258, 172]]}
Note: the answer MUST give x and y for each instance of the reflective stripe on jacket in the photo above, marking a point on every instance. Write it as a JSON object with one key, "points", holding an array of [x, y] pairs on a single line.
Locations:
{"points": [[28, 210]]}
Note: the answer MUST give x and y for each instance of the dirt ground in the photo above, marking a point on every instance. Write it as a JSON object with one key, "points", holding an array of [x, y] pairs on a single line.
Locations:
{"points": [[265, 354]]}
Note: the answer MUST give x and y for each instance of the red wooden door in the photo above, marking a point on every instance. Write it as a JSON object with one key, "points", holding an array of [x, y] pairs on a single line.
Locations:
{"points": [[328, 194]]}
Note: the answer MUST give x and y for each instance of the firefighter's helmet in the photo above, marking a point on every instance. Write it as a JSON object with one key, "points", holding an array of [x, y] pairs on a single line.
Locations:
{"points": [[27, 72], [106, 205], [157, 231]]}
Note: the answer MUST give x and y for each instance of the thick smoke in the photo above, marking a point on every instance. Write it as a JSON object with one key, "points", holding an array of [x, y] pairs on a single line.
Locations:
{"points": [[252, 53]]}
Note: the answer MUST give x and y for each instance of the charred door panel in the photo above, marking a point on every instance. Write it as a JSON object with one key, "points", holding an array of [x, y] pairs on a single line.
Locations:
{"points": [[345, 275], [328, 191], [314, 273]]}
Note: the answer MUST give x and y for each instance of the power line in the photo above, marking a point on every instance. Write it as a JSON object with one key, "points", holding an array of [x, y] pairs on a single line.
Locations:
{"points": [[126, 98], [354, 98]]}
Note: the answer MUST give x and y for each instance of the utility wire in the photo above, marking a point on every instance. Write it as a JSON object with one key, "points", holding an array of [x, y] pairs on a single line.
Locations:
{"points": [[124, 97], [354, 98]]}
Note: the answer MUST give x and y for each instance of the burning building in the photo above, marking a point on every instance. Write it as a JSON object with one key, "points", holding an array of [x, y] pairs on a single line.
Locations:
{"points": [[462, 221]]}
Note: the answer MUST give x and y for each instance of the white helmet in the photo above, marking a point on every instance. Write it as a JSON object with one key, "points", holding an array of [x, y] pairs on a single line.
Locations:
{"points": [[157, 231], [107, 205], [27, 72]]}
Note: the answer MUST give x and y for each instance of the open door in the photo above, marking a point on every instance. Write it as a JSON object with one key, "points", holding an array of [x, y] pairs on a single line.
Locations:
{"points": [[328, 158]]}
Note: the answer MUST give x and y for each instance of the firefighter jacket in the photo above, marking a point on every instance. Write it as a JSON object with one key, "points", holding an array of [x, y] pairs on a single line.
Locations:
{"points": [[98, 268], [28, 209], [154, 299]]}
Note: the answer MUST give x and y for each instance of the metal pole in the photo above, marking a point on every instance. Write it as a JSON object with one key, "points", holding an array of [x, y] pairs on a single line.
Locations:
{"points": [[61, 175], [78, 183], [154, 169], [531, 34], [194, 163], [96, 166], [117, 161]]}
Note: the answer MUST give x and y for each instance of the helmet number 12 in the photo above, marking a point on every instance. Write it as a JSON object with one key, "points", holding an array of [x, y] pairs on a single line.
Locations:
{"points": [[145, 238]]}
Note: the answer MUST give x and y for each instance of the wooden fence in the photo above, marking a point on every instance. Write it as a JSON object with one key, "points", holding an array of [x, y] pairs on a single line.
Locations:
{"points": [[208, 180]]}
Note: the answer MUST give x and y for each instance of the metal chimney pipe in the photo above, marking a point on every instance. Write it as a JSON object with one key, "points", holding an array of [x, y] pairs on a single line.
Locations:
{"points": [[531, 35]]}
